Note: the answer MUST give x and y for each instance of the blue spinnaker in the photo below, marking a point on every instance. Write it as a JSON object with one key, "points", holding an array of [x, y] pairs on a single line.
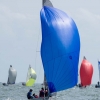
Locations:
{"points": [[60, 49]]}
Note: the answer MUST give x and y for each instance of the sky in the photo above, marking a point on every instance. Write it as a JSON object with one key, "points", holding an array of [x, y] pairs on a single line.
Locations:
{"points": [[20, 34]]}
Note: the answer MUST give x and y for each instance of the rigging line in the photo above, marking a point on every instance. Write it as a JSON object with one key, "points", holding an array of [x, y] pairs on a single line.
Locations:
{"points": [[39, 72], [36, 49], [36, 54]]}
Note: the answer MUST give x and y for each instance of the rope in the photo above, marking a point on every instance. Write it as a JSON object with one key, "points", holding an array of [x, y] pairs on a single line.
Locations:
{"points": [[36, 50]]}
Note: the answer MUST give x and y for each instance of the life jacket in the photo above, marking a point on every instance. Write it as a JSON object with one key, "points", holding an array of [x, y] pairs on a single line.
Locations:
{"points": [[41, 93]]}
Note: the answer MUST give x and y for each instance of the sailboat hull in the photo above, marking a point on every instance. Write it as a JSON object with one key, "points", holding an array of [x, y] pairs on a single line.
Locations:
{"points": [[23, 83], [97, 86], [4, 84], [39, 99]]}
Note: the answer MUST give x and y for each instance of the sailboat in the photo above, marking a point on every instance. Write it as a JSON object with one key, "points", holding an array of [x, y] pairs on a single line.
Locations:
{"points": [[60, 49], [98, 84], [86, 73], [11, 77], [31, 77]]}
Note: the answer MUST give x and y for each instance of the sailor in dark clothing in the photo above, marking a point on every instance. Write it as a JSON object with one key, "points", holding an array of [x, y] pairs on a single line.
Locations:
{"points": [[98, 83], [41, 94], [80, 85], [46, 93], [29, 94]]}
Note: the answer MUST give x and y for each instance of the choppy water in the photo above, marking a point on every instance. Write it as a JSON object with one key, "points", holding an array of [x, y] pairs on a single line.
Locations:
{"points": [[18, 92]]}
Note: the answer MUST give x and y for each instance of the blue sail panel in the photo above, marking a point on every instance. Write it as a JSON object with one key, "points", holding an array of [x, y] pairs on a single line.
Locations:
{"points": [[60, 49]]}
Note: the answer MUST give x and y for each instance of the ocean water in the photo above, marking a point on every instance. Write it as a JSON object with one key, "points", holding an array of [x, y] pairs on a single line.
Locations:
{"points": [[18, 92]]}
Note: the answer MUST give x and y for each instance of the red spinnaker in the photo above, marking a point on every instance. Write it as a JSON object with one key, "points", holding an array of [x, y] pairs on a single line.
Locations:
{"points": [[86, 72]]}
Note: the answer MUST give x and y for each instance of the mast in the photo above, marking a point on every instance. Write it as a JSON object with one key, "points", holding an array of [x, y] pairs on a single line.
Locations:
{"points": [[46, 3], [45, 81]]}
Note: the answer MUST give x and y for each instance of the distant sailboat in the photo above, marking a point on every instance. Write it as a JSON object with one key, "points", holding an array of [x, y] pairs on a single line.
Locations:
{"points": [[86, 72], [31, 77], [12, 76], [60, 49], [99, 69], [98, 84]]}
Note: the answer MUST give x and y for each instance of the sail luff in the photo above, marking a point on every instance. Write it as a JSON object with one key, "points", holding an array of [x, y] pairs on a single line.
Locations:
{"points": [[28, 73], [99, 75]]}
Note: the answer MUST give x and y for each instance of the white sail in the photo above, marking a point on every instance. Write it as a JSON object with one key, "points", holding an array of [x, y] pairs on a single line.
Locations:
{"points": [[99, 69], [12, 75]]}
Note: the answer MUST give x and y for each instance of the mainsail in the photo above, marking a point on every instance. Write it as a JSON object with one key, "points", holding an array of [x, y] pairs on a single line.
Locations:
{"points": [[31, 77], [12, 75], [60, 49], [99, 69], [86, 72]]}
